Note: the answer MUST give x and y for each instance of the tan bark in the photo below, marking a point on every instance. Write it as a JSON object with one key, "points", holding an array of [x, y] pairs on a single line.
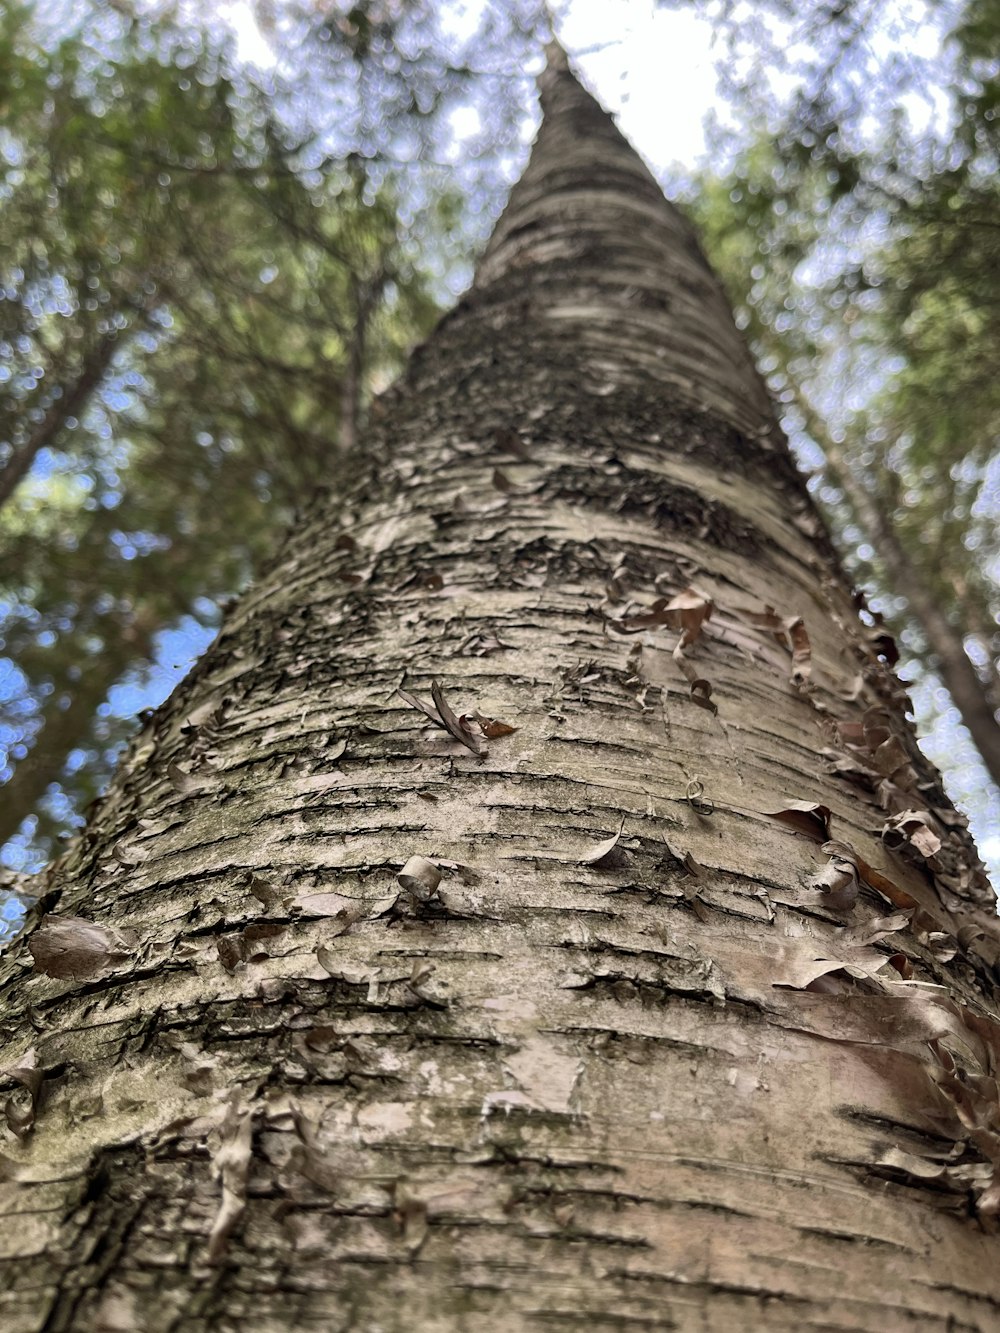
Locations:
{"points": [[284, 1077]]}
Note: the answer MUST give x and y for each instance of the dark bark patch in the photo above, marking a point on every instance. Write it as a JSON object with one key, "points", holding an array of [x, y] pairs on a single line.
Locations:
{"points": [[668, 505]]}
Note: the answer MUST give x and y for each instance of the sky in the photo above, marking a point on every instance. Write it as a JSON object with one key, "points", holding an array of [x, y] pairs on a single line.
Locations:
{"points": [[656, 74]]}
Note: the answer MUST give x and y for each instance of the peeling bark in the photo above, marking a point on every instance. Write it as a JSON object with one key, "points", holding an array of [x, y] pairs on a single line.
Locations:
{"points": [[623, 1063]]}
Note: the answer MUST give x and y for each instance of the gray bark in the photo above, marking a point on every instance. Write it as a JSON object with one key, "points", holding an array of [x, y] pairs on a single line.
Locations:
{"points": [[281, 1082]]}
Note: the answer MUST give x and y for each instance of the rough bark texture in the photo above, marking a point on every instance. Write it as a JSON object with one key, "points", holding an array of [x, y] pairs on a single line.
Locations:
{"points": [[273, 1087]]}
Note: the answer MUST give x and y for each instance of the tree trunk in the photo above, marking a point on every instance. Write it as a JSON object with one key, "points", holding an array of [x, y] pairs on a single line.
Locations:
{"points": [[288, 1079], [71, 401], [67, 726], [73, 398]]}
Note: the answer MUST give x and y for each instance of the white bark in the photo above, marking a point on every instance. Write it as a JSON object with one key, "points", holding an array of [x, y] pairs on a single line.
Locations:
{"points": [[658, 1080]]}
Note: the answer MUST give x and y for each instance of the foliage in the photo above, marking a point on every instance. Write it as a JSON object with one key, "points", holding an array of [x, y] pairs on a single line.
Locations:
{"points": [[195, 308], [211, 269], [862, 252]]}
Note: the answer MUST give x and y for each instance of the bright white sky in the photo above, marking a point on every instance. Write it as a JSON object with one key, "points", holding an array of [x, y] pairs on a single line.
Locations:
{"points": [[651, 66], [654, 66]]}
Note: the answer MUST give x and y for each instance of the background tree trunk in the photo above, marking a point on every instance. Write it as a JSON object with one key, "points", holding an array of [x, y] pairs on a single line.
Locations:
{"points": [[970, 693], [278, 1085]]}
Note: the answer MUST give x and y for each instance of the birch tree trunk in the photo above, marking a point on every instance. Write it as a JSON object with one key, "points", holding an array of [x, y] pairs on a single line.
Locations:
{"points": [[708, 1075]]}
